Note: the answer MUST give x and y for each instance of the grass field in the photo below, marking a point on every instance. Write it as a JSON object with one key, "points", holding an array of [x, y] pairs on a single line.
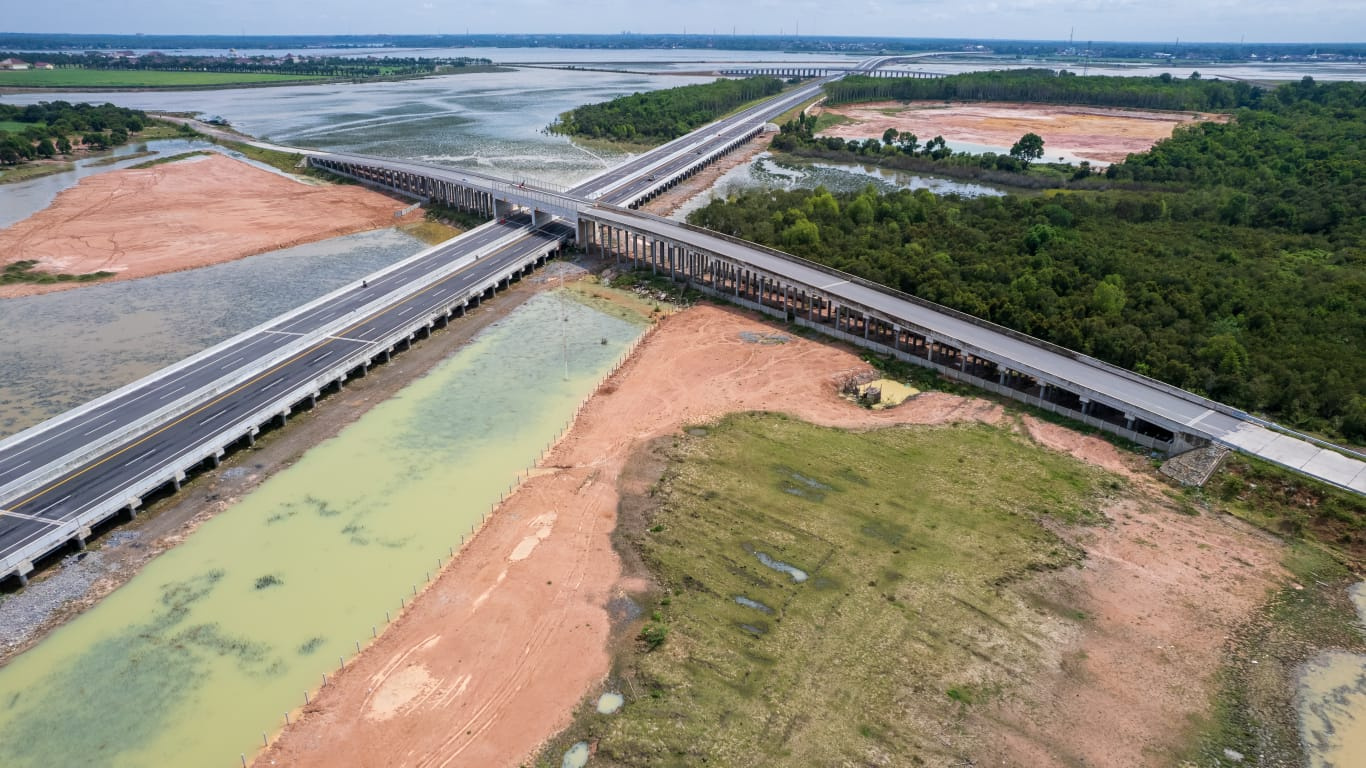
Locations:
{"points": [[905, 623], [16, 173], [13, 126], [101, 78]]}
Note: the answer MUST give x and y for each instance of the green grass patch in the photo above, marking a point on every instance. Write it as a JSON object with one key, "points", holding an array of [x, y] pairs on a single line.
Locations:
{"points": [[26, 171], [170, 158], [829, 120], [907, 621], [1289, 504], [24, 272], [431, 232], [108, 78], [289, 162], [14, 126]]}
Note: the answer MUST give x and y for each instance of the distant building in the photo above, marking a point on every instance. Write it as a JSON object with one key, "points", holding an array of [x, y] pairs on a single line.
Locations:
{"points": [[13, 64], [43, 65]]}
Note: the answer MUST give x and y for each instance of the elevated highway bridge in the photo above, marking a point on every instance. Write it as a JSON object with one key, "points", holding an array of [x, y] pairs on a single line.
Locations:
{"points": [[62, 478]]}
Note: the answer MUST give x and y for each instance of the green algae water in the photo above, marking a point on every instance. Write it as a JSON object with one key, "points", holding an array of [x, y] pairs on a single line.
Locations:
{"points": [[207, 648]]}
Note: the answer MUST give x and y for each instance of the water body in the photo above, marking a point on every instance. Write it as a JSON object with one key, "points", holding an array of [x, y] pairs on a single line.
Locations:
{"points": [[768, 171], [493, 121], [205, 649], [1332, 703], [610, 702], [576, 756], [797, 574], [68, 347]]}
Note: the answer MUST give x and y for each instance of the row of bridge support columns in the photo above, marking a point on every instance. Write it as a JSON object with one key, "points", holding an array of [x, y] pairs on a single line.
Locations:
{"points": [[805, 305], [447, 193]]}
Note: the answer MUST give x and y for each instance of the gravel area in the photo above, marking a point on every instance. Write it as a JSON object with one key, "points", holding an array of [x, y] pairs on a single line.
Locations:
{"points": [[23, 612]]}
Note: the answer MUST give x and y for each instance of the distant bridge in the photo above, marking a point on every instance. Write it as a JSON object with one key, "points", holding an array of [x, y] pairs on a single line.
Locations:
{"points": [[808, 72]]}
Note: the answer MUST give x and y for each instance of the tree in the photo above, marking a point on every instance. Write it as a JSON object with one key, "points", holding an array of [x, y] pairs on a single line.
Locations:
{"points": [[889, 135], [64, 145], [1028, 148], [45, 148]]}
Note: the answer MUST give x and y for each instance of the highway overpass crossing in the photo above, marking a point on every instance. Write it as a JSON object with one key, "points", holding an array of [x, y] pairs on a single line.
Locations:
{"points": [[61, 478]]}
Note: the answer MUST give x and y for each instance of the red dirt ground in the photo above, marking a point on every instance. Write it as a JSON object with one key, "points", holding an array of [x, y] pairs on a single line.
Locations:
{"points": [[182, 215]]}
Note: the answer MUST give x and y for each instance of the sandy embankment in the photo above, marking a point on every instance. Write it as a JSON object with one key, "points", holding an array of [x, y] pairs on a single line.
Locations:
{"points": [[493, 658], [1090, 133], [183, 215]]}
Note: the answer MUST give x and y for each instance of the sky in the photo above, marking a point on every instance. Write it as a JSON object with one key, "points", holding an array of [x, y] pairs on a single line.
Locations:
{"points": [[1256, 21]]}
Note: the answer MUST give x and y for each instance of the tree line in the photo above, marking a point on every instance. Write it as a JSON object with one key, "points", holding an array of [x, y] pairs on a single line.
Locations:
{"points": [[1228, 260], [1048, 86], [659, 116], [326, 66], [50, 127]]}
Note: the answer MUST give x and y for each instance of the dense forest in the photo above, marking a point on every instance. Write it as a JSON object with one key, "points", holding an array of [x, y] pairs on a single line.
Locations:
{"points": [[659, 116], [48, 127], [1048, 86], [1228, 260]]}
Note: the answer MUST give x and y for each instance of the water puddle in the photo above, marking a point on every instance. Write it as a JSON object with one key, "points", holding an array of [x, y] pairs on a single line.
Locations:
{"points": [[576, 756], [755, 604], [610, 702], [797, 574], [884, 393], [1332, 703], [207, 648]]}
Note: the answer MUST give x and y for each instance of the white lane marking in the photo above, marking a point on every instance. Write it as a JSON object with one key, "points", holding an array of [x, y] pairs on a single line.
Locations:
{"points": [[406, 310], [321, 357], [172, 392], [211, 418], [832, 285], [12, 513], [53, 504], [139, 458], [273, 383], [286, 333], [1200, 418], [237, 359], [98, 427], [348, 338]]}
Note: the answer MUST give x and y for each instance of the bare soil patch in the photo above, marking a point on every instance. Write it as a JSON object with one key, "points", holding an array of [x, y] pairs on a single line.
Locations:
{"points": [[517, 630], [1091, 133], [183, 215]]}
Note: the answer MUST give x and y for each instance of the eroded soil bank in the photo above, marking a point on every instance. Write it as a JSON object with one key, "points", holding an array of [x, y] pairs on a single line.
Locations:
{"points": [[182, 215], [1089, 133], [492, 661]]}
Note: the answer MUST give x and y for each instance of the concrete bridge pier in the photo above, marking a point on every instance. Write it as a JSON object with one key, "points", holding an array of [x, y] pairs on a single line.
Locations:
{"points": [[251, 436], [21, 572], [80, 537]]}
